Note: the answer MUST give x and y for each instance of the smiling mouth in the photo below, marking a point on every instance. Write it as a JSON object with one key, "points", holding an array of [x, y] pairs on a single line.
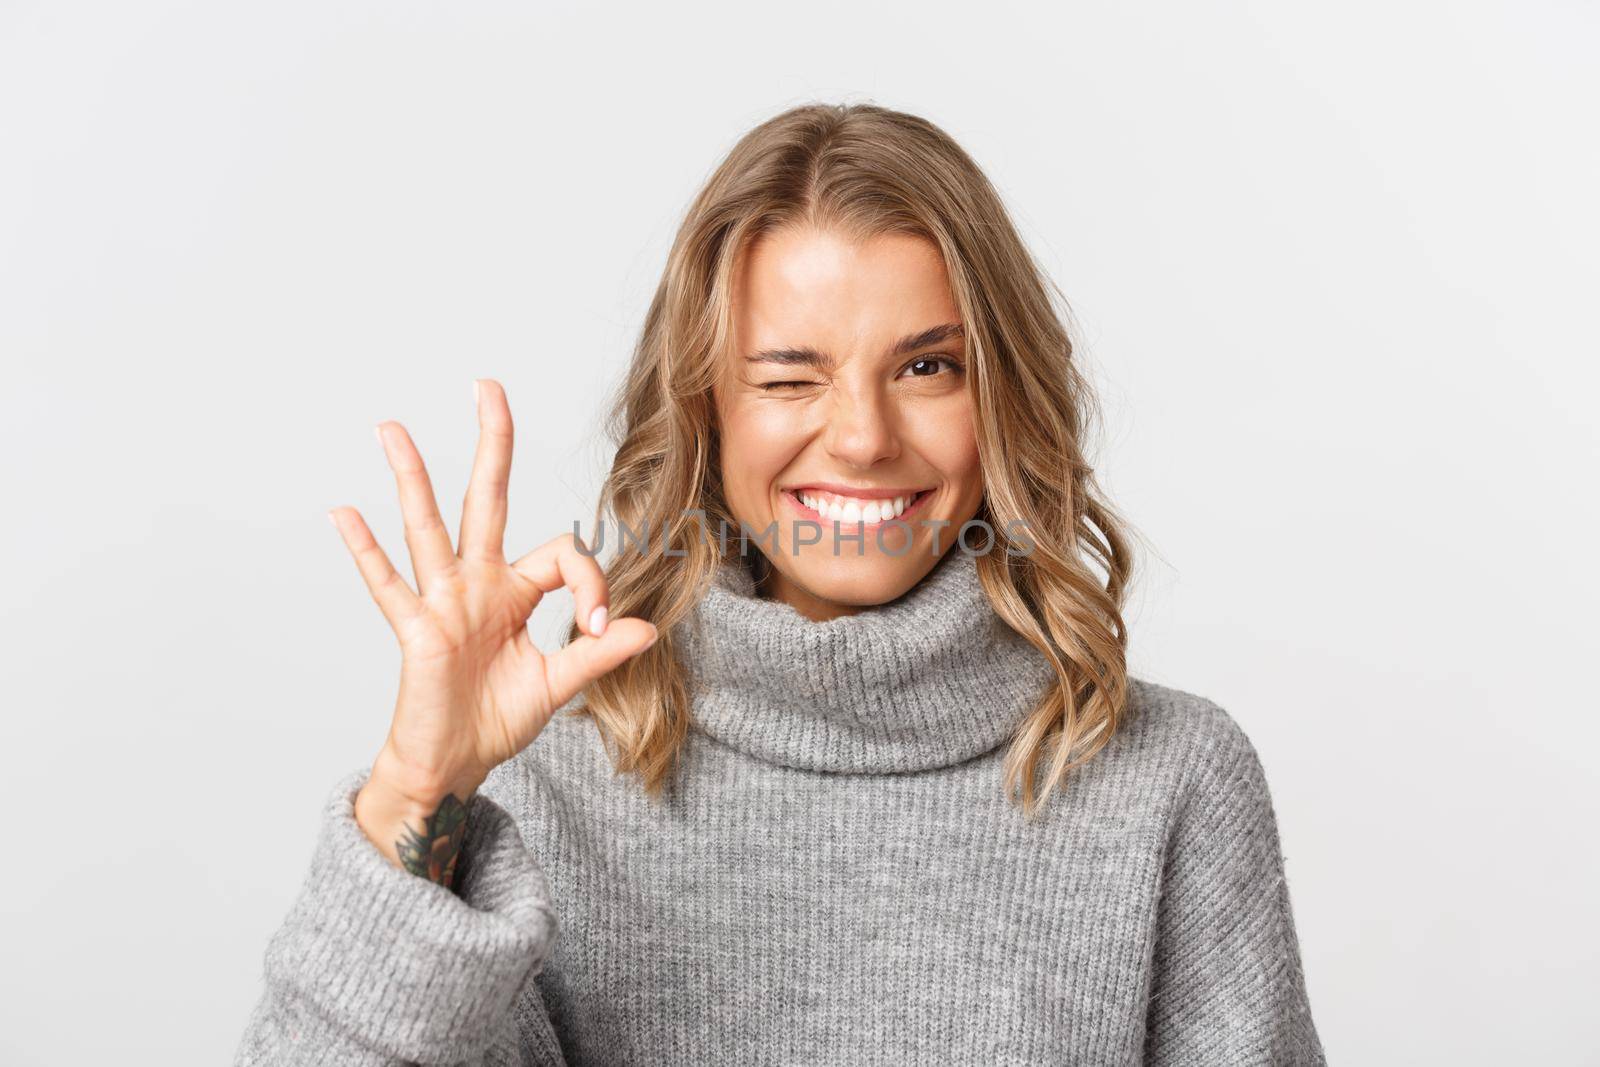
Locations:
{"points": [[823, 507]]}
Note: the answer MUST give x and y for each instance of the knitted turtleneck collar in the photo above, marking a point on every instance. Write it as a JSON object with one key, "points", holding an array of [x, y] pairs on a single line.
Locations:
{"points": [[928, 680]]}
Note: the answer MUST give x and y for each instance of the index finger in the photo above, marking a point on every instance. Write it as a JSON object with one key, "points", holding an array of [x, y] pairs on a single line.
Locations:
{"points": [[558, 563]]}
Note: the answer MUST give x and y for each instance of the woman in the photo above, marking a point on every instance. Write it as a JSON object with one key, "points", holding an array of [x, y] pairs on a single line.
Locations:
{"points": [[841, 761]]}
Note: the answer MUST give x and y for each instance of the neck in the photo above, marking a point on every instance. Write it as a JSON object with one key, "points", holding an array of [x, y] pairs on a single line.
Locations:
{"points": [[930, 679]]}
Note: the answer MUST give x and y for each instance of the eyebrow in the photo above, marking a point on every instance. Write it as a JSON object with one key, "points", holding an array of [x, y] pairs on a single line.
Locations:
{"points": [[807, 356]]}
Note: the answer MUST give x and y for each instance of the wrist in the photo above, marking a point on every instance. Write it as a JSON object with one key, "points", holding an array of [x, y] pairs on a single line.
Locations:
{"points": [[412, 789], [417, 822]]}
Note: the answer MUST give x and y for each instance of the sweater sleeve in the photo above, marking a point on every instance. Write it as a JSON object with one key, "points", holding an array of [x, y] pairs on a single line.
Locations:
{"points": [[1228, 985], [375, 966]]}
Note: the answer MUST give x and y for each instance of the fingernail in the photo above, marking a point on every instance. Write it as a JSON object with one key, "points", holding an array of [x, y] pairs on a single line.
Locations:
{"points": [[378, 429], [597, 621], [477, 391], [652, 639], [332, 520]]}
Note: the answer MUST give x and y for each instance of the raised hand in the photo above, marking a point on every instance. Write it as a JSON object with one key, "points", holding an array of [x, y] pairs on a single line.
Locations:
{"points": [[474, 689]]}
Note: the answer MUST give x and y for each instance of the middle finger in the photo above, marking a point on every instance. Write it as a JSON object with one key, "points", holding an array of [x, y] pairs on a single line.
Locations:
{"points": [[483, 515]]}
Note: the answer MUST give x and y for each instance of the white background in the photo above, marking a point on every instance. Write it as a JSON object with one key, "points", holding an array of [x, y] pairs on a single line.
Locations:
{"points": [[1333, 266]]}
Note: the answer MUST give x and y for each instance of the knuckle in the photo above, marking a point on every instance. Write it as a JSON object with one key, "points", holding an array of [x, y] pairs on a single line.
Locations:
{"points": [[424, 525]]}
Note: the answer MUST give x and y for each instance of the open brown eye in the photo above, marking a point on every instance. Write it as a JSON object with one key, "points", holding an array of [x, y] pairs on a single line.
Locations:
{"points": [[926, 367]]}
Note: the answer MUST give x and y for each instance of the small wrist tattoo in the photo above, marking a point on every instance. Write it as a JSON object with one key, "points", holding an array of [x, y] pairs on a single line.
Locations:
{"points": [[431, 851]]}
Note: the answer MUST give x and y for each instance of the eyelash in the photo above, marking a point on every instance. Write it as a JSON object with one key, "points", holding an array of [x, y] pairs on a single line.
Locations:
{"points": [[955, 365]]}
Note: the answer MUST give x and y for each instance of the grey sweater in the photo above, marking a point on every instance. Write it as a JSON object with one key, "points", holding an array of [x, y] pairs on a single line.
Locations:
{"points": [[834, 876]]}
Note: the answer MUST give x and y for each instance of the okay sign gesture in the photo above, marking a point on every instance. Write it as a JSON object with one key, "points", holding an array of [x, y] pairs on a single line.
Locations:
{"points": [[474, 689]]}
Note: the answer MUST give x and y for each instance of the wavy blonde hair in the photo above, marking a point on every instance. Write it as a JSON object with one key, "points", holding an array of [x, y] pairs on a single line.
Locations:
{"points": [[866, 170]]}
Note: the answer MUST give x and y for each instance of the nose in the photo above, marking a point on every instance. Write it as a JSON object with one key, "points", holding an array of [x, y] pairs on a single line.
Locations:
{"points": [[861, 429]]}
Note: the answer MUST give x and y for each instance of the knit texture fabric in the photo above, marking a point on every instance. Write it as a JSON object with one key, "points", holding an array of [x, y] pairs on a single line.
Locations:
{"points": [[834, 875]]}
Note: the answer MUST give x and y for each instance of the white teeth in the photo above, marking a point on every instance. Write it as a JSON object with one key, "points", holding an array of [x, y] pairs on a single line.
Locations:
{"points": [[855, 509]]}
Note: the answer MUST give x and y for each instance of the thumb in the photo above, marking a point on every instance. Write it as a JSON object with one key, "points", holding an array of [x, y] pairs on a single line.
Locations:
{"points": [[587, 658]]}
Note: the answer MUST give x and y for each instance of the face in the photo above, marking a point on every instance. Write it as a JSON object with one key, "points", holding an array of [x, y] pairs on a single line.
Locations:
{"points": [[844, 405]]}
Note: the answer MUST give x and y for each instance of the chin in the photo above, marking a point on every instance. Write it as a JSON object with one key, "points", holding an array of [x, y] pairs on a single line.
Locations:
{"points": [[858, 581]]}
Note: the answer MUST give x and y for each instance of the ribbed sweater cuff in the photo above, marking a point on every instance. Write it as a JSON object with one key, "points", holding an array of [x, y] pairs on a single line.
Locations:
{"points": [[403, 965]]}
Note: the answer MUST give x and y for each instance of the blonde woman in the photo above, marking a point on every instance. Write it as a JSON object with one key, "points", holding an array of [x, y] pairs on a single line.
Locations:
{"points": [[841, 761]]}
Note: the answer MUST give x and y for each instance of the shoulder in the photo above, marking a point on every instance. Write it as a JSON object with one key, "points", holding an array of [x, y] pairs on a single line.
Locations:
{"points": [[1178, 725], [1218, 778], [1198, 746]]}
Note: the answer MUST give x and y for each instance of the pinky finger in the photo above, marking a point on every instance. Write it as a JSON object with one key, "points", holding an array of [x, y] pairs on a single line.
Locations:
{"points": [[394, 597]]}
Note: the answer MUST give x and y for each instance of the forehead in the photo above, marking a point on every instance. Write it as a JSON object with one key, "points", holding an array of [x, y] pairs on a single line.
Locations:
{"points": [[818, 287]]}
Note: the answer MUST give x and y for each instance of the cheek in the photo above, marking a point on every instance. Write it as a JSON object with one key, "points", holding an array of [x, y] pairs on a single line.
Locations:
{"points": [[949, 443], [758, 444]]}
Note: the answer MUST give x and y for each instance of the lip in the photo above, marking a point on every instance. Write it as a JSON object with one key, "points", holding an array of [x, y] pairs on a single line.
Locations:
{"points": [[921, 497], [874, 492]]}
